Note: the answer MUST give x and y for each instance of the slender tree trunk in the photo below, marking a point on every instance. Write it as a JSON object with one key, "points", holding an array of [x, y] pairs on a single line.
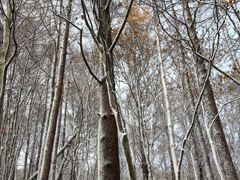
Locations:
{"points": [[55, 146], [59, 176], [34, 155], [212, 145], [41, 138], [144, 164], [168, 113], [142, 144], [47, 154], [124, 138], [209, 100], [51, 91], [28, 138], [4, 132]]}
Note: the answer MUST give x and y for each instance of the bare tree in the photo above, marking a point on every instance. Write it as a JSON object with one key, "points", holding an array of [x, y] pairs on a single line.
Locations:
{"points": [[217, 129], [47, 154]]}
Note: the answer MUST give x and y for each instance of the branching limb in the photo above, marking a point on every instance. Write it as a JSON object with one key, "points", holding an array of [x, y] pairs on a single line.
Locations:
{"points": [[85, 60], [74, 25], [89, 26], [121, 28], [219, 70]]}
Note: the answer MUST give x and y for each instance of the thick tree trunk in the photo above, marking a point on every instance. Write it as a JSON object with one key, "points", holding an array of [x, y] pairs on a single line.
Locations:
{"points": [[209, 100], [108, 158], [144, 164], [108, 155], [194, 157], [199, 135], [48, 148], [4, 51], [110, 105]]}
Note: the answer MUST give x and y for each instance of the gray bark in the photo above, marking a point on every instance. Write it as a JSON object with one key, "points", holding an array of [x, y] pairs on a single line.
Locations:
{"points": [[199, 136], [48, 148], [108, 158], [108, 155], [4, 51], [168, 113], [209, 100]]}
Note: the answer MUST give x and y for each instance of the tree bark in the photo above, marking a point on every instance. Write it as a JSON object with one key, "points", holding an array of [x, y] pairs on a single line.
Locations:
{"points": [[4, 53], [55, 146], [48, 148], [108, 158], [209, 100], [168, 113], [108, 155], [199, 135]]}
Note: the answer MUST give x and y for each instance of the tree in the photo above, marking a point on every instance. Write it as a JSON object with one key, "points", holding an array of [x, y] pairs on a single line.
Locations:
{"points": [[8, 42], [47, 154], [211, 107], [190, 97]]}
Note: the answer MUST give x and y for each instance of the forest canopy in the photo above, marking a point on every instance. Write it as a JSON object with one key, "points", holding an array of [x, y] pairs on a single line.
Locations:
{"points": [[119, 89]]}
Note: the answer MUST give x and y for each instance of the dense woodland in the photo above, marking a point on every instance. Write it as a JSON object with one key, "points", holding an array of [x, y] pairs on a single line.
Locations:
{"points": [[119, 89]]}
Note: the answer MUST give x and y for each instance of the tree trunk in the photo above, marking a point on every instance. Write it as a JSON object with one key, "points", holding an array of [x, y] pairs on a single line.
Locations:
{"points": [[55, 146], [168, 112], [108, 159], [209, 100], [199, 135], [196, 162], [108, 156], [51, 82], [4, 53], [48, 148]]}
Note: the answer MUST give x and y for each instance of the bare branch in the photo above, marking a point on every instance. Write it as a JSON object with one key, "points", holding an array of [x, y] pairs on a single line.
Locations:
{"points": [[85, 60], [121, 28], [236, 99], [74, 25]]}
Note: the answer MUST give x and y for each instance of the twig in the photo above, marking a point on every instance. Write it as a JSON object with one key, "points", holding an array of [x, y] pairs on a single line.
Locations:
{"points": [[121, 28], [89, 26], [215, 67], [74, 25], [36, 62], [221, 110]]}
